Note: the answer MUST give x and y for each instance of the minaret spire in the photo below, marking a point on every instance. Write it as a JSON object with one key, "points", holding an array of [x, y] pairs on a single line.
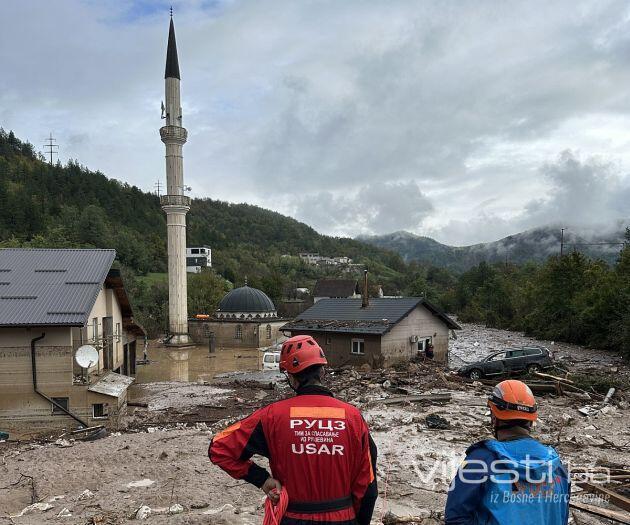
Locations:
{"points": [[175, 204], [172, 63]]}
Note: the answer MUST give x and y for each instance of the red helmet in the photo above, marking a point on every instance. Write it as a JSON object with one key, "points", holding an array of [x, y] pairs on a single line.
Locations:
{"points": [[300, 352], [513, 399]]}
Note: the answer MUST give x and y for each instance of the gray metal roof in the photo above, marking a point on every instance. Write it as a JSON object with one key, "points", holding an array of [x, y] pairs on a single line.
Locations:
{"points": [[347, 315], [246, 299], [46, 287], [112, 384]]}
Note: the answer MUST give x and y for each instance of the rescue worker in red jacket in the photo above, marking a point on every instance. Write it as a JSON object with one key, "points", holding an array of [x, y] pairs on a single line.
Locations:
{"points": [[319, 448]]}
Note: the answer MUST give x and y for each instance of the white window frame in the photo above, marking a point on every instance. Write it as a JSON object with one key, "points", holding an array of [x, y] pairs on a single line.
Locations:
{"points": [[360, 346], [422, 343], [105, 411]]}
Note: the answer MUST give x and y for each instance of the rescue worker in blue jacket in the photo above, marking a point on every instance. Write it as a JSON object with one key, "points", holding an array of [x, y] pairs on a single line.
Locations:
{"points": [[513, 479]]}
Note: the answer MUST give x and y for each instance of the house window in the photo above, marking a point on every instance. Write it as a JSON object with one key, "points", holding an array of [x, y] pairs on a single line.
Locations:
{"points": [[118, 333], [94, 328], [99, 410], [194, 250], [239, 332], [63, 401], [328, 340], [268, 331], [358, 347], [423, 342]]}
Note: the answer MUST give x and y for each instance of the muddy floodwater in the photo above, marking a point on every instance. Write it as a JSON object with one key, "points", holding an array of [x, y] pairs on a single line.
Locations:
{"points": [[195, 363]]}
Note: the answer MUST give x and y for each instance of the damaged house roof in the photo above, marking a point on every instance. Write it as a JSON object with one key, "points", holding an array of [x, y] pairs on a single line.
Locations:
{"points": [[335, 288], [57, 287], [347, 315]]}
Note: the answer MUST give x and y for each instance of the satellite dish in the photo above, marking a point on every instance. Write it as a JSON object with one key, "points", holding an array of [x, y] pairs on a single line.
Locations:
{"points": [[86, 356]]}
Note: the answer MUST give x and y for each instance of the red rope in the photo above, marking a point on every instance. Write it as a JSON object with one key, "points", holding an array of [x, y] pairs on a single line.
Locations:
{"points": [[275, 513]]}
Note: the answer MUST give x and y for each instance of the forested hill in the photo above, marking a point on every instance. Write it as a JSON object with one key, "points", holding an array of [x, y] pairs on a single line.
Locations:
{"points": [[530, 246], [71, 206]]}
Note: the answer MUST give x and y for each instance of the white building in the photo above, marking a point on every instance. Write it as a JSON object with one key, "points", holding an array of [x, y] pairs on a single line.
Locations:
{"points": [[197, 258], [310, 258]]}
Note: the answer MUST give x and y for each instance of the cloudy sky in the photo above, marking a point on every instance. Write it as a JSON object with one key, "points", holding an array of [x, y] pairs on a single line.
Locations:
{"points": [[465, 121]]}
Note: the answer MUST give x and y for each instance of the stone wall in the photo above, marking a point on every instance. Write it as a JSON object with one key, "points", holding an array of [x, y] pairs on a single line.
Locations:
{"points": [[252, 334]]}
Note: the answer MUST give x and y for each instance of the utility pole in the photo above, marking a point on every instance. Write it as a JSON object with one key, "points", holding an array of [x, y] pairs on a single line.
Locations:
{"points": [[51, 147], [157, 187], [561, 241]]}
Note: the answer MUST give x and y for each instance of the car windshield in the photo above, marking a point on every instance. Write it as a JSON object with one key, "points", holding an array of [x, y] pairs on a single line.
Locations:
{"points": [[269, 359], [496, 357]]}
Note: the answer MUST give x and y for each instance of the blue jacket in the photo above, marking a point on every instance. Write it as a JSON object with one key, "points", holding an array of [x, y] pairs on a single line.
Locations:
{"points": [[509, 482]]}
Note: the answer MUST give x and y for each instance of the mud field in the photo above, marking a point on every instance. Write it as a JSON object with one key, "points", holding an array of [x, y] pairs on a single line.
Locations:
{"points": [[157, 460]]}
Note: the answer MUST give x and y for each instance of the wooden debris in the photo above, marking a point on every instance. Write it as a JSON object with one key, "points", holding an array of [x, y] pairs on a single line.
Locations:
{"points": [[413, 399], [610, 393], [621, 517], [611, 496], [554, 378]]}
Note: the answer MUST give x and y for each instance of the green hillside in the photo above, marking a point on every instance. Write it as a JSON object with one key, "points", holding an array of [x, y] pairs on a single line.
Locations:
{"points": [[72, 206]]}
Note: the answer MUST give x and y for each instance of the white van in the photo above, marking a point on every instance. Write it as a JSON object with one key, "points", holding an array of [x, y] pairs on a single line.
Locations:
{"points": [[271, 361]]}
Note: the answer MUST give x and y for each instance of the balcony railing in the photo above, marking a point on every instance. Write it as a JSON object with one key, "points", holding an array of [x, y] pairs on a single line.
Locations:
{"points": [[173, 134], [175, 200]]}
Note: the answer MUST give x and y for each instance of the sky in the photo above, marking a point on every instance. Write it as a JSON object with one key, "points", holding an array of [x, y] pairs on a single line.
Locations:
{"points": [[465, 121]]}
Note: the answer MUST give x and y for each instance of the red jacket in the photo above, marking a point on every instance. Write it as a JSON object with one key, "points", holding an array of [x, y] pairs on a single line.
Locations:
{"points": [[319, 449]]}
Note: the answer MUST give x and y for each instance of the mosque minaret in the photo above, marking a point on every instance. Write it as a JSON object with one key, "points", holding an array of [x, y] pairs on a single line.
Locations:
{"points": [[175, 204]]}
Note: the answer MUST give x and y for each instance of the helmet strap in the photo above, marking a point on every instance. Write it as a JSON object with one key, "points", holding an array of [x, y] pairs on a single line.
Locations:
{"points": [[286, 374]]}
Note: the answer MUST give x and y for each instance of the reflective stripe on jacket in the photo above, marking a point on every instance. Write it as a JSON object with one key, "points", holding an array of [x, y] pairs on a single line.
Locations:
{"points": [[319, 448]]}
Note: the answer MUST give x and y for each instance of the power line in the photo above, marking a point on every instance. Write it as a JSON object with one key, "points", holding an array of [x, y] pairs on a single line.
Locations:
{"points": [[51, 147]]}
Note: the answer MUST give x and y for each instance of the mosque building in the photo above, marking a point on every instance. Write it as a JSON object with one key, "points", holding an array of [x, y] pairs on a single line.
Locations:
{"points": [[246, 318]]}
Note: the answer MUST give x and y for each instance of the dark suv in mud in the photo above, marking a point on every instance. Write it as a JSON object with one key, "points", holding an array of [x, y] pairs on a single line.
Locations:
{"points": [[509, 362]]}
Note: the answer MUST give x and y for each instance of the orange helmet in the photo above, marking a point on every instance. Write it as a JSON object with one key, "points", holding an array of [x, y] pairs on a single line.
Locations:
{"points": [[300, 352], [513, 399]]}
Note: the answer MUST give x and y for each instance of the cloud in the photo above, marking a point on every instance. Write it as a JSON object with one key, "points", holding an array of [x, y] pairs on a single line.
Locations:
{"points": [[376, 208], [434, 116], [588, 197]]}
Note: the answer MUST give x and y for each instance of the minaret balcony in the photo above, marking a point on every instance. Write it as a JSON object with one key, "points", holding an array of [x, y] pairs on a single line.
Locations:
{"points": [[175, 200], [173, 135]]}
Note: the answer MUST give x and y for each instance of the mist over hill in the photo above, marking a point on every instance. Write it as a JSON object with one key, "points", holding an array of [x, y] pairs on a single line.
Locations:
{"points": [[534, 245]]}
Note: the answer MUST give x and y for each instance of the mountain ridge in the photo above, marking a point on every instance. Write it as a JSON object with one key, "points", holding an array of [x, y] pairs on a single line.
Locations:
{"points": [[533, 245]]}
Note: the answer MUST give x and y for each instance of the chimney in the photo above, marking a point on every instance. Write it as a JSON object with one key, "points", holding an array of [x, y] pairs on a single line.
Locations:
{"points": [[365, 299]]}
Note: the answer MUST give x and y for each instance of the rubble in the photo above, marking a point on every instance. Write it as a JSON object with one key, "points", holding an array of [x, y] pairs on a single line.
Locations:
{"points": [[141, 484], [86, 494], [437, 422], [159, 453], [176, 509], [34, 507], [142, 513]]}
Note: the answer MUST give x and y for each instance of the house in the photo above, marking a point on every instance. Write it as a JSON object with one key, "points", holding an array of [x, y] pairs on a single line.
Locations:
{"points": [[310, 258], [51, 303], [246, 318], [382, 332], [335, 288], [197, 258]]}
